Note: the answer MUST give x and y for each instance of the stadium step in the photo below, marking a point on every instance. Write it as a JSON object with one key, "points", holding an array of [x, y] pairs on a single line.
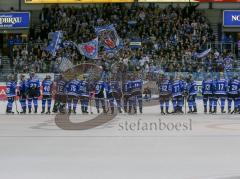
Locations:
{"points": [[6, 69], [215, 31], [5, 60]]}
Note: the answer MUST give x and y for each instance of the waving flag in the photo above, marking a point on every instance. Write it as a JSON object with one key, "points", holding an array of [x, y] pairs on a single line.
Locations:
{"points": [[54, 45], [203, 54], [109, 38], [67, 44], [65, 64], [89, 49]]}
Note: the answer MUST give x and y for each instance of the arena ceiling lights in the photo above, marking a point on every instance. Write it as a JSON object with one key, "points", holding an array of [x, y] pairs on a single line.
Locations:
{"points": [[157, 1], [75, 1], [167, 1], [118, 1]]}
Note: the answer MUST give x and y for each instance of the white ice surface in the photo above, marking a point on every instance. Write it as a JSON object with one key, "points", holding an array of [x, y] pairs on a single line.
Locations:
{"points": [[33, 147]]}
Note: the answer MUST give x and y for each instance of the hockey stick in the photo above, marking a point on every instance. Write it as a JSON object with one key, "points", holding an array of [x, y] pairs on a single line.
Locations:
{"points": [[106, 101], [90, 104], [185, 105], [16, 106]]}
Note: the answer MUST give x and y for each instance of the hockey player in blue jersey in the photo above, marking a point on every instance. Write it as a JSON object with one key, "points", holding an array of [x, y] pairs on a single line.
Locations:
{"points": [[127, 90], [11, 87], [22, 93], [33, 92], [84, 94], [233, 94], [136, 94], [116, 94], [177, 95], [192, 94], [220, 91], [207, 92], [47, 89], [165, 91], [72, 92], [100, 95]]}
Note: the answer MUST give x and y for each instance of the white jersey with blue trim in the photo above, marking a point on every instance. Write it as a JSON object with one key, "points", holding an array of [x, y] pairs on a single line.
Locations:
{"points": [[137, 85], [11, 88], [47, 86], [72, 88], [84, 88], [100, 87], [220, 86], [234, 87]]}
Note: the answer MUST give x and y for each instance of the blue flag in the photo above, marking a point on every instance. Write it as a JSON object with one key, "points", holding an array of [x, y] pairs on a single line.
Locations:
{"points": [[89, 49], [109, 38], [54, 45], [203, 54]]}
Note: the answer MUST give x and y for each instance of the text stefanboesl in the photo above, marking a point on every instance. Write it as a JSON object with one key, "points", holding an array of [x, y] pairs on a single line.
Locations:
{"points": [[157, 125], [12, 20], [231, 18]]}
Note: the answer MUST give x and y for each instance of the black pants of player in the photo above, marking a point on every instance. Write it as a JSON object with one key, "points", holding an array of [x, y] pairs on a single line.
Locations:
{"points": [[71, 99], [137, 98], [208, 98], [22, 100], [84, 103], [127, 102], [192, 102], [99, 98], [178, 103], [116, 97], [9, 104], [33, 96], [164, 99], [60, 103], [222, 99]]}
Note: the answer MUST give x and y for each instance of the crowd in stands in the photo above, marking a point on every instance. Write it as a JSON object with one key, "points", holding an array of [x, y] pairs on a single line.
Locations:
{"points": [[170, 37]]}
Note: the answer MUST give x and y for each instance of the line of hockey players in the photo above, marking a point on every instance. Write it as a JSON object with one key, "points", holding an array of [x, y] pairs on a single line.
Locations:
{"points": [[107, 93], [127, 95], [180, 90]]}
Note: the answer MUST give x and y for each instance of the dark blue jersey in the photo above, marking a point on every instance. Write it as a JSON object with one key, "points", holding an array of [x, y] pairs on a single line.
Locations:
{"points": [[47, 86], [136, 86], [72, 88], [234, 87], [165, 87], [220, 87], [33, 84], [22, 87], [115, 86], [100, 87], [192, 88], [184, 85], [108, 89], [177, 88], [11, 88], [84, 88], [61, 87], [127, 87], [207, 87]]}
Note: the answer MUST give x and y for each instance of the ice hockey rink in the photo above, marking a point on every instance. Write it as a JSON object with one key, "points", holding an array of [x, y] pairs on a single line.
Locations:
{"points": [[120, 146]]}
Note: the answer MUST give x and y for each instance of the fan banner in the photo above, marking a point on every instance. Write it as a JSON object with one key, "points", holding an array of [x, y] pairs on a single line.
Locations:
{"points": [[89, 49], [54, 45], [108, 38], [203, 54]]}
